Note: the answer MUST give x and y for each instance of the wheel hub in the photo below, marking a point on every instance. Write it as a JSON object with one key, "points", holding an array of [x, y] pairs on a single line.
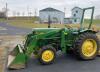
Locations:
{"points": [[89, 47], [47, 55]]}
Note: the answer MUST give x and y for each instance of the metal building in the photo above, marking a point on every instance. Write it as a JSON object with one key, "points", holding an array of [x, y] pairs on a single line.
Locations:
{"points": [[76, 15], [2, 14], [56, 16]]}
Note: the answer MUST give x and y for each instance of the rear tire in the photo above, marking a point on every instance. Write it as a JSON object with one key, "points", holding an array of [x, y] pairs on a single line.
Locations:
{"points": [[86, 46], [47, 55]]}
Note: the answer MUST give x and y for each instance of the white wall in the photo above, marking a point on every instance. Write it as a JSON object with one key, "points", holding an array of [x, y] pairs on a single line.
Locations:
{"points": [[68, 21], [53, 14], [78, 15]]}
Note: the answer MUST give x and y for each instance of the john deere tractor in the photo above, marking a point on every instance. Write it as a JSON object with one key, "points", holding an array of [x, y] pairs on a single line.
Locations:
{"points": [[45, 42]]}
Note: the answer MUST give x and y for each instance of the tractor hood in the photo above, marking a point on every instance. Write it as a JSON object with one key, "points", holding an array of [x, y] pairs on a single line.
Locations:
{"points": [[41, 33], [43, 30]]}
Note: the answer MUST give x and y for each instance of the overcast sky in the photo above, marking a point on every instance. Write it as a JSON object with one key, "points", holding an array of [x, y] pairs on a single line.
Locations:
{"points": [[32, 5]]}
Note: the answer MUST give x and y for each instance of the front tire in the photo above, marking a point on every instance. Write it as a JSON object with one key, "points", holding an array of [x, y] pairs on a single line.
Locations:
{"points": [[86, 46], [47, 55]]}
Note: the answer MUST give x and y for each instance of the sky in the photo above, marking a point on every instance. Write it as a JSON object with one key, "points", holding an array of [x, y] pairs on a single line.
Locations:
{"points": [[25, 6]]}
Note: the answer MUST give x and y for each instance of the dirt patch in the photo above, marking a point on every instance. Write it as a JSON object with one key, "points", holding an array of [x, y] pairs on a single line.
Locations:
{"points": [[2, 58], [99, 36], [10, 41]]}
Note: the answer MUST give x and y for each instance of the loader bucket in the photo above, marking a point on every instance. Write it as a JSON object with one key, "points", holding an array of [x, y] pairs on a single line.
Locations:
{"points": [[16, 58]]}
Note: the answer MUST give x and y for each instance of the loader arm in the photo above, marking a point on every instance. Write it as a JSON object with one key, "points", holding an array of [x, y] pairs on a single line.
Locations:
{"points": [[33, 44]]}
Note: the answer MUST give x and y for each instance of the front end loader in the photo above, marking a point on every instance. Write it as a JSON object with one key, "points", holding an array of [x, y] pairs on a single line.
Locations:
{"points": [[45, 42]]}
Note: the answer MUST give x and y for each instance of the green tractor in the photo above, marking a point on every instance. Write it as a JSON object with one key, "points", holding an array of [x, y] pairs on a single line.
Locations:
{"points": [[45, 42]]}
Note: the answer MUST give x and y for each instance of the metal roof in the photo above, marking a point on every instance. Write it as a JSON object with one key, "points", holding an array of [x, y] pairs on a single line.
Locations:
{"points": [[77, 7], [50, 9]]}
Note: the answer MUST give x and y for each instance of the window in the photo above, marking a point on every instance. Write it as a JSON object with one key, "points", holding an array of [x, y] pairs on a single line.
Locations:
{"points": [[75, 20], [74, 15], [76, 11]]}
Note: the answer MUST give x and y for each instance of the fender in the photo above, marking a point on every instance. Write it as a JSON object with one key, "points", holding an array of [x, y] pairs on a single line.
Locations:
{"points": [[88, 30]]}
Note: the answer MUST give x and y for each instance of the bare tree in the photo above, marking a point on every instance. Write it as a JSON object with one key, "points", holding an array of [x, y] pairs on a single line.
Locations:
{"points": [[18, 13], [23, 14], [28, 10], [14, 13], [30, 14]]}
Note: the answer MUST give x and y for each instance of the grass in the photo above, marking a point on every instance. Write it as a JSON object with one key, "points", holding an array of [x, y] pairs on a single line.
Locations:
{"points": [[95, 21], [2, 19], [28, 22]]}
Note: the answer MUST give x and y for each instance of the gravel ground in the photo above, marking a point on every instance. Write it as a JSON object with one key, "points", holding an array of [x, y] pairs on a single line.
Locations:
{"points": [[2, 58], [11, 30]]}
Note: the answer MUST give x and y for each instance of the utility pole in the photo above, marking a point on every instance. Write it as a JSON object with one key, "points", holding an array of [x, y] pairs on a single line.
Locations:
{"points": [[6, 11], [65, 11], [49, 22], [23, 14], [35, 13], [28, 12]]}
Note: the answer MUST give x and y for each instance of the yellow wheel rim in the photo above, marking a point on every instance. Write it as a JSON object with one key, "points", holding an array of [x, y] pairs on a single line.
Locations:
{"points": [[47, 55], [89, 47]]}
